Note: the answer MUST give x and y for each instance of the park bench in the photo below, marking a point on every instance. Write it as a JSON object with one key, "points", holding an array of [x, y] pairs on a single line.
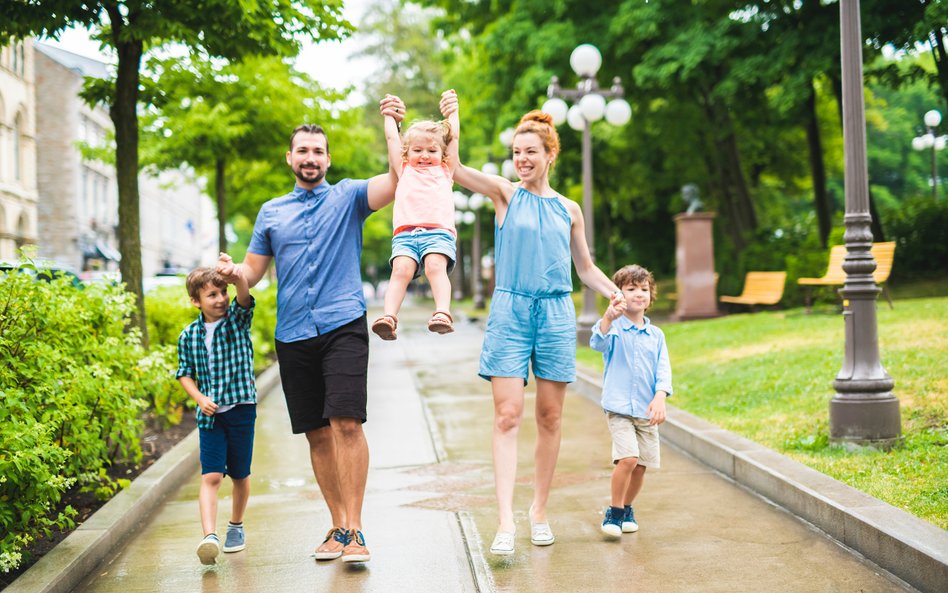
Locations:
{"points": [[760, 288], [883, 253]]}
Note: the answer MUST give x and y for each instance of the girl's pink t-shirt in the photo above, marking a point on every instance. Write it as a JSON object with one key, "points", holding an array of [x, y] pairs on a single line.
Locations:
{"points": [[423, 199]]}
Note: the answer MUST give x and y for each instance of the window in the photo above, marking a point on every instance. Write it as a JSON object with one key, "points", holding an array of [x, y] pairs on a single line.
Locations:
{"points": [[22, 232], [17, 147], [2, 138]]}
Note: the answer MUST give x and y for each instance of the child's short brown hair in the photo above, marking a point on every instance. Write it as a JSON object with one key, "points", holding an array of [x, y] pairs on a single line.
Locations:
{"points": [[201, 277], [636, 274]]}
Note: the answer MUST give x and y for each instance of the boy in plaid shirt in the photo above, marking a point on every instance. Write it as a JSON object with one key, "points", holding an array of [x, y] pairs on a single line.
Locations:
{"points": [[215, 367]]}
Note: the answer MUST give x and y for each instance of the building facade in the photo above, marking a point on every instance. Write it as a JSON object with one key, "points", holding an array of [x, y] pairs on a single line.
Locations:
{"points": [[78, 197], [18, 185]]}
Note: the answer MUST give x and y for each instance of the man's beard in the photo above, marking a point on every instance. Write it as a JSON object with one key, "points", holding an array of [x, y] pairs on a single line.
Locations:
{"points": [[314, 175]]}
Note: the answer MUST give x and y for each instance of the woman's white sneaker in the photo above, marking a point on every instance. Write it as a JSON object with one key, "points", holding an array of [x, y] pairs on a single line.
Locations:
{"points": [[503, 544]]}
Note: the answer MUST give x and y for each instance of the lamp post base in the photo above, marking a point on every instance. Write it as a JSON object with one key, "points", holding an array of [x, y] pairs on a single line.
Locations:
{"points": [[584, 325], [866, 422]]}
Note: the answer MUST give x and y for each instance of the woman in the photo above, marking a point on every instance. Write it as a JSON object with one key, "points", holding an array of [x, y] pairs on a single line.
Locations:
{"points": [[532, 318]]}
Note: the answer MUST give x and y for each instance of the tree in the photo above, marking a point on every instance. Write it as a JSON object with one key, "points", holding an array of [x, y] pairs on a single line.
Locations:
{"points": [[218, 116], [220, 28]]}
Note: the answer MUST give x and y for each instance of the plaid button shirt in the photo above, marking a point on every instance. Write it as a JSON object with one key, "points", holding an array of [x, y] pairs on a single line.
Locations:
{"points": [[229, 378]]}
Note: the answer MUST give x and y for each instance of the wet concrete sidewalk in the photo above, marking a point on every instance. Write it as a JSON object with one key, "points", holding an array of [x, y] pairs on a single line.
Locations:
{"points": [[429, 510]]}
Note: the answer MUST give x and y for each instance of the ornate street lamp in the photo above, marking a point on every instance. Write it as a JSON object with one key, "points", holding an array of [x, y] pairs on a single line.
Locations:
{"points": [[589, 106], [863, 411], [935, 143]]}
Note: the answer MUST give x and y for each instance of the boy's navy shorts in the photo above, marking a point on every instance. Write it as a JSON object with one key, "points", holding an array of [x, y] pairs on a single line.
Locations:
{"points": [[325, 377], [227, 448]]}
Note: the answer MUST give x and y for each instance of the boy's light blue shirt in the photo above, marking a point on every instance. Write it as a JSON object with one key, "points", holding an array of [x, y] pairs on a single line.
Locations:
{"points": [[315, 239], [636, 366]]}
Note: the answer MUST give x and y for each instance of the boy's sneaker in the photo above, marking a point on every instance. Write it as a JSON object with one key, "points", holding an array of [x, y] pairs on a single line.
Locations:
{"points": [[628, 521], [209, 548], [331, 548], [612, 522], [234, 540], [355, 550]]}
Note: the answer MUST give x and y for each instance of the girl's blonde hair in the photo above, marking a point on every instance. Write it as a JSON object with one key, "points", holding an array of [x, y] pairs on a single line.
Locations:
{"points": [[541, 123], [439, 130]]}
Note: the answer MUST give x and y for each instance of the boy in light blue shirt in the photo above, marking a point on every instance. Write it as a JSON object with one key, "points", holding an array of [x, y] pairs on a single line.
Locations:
{"points": [[636, 381]]}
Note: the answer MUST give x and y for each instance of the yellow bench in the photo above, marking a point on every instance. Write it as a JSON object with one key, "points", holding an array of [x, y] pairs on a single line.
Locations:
{"points": [[883, 253], [760, 288]]}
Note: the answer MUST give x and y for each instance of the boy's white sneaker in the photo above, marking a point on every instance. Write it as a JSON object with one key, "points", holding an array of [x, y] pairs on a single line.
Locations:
{"points": [[209, 548]]}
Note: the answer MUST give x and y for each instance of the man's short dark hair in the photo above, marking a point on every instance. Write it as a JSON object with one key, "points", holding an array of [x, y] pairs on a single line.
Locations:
{"points": [[309, 129]]}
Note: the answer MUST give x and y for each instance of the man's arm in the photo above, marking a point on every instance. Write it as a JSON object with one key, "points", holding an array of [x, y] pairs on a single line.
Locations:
{"points": [[381, 190], [234, 274], [254, 267]]}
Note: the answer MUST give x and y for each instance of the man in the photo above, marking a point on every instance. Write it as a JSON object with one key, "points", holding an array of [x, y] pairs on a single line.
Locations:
{"points": [[315, 235]]}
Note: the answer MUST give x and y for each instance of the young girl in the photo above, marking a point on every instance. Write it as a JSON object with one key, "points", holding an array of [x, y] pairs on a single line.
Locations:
{"points": [[425, 159]]}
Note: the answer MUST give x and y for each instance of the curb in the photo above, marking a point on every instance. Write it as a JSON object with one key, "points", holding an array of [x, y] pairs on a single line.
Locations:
{"points": [[910, 548], [66, 565]]}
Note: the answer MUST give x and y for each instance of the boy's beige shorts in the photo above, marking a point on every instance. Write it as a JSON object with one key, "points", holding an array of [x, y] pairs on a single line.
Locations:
{"points": [[634, 437]]}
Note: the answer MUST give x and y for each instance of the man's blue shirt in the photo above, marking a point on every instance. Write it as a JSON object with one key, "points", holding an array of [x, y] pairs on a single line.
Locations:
{"points": [[315, 238], [636, 366]]}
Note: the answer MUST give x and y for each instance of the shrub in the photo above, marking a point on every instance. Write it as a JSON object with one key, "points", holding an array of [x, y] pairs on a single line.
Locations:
{"points": [[73, 396], [76, 388], [918, 227]]}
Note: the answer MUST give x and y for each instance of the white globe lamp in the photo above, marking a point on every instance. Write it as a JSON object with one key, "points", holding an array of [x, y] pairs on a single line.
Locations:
{"points": [[932, 118], [585, 60], [508, 169], [557, 109], [575, 119], [618, 112], [460, 201], [506, 137], [593, 106], [477, 200]]}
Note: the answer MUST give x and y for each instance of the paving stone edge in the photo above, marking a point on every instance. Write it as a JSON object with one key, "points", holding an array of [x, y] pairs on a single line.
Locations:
{"points": [[72, 560], [910, 548]]}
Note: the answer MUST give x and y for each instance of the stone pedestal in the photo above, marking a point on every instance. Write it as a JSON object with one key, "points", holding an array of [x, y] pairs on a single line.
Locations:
{"points": [[694, 256]]}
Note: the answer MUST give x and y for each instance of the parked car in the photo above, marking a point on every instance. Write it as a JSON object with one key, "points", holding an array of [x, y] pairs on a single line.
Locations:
{"points": [[45, 271]]}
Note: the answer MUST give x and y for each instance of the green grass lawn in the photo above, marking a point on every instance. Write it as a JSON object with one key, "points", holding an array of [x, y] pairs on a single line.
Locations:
{"points": [[769, 377]]}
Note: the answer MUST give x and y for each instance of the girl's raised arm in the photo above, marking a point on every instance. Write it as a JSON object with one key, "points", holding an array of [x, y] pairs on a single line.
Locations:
{"points": [[394, 141], [497, 188]]}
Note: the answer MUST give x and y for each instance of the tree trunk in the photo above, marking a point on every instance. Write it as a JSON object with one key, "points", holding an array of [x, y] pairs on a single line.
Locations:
{"points": [[730, 173], [817, 169], [221, 195], [940, 54], [125, 118]]}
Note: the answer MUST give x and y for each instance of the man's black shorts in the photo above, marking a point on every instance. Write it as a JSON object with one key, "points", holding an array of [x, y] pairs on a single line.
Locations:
{"points": [[325, 377]]}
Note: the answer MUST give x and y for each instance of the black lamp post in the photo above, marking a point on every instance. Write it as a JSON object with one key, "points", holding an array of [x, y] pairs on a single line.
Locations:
{"points": [[863, 411], [589, 106]]}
